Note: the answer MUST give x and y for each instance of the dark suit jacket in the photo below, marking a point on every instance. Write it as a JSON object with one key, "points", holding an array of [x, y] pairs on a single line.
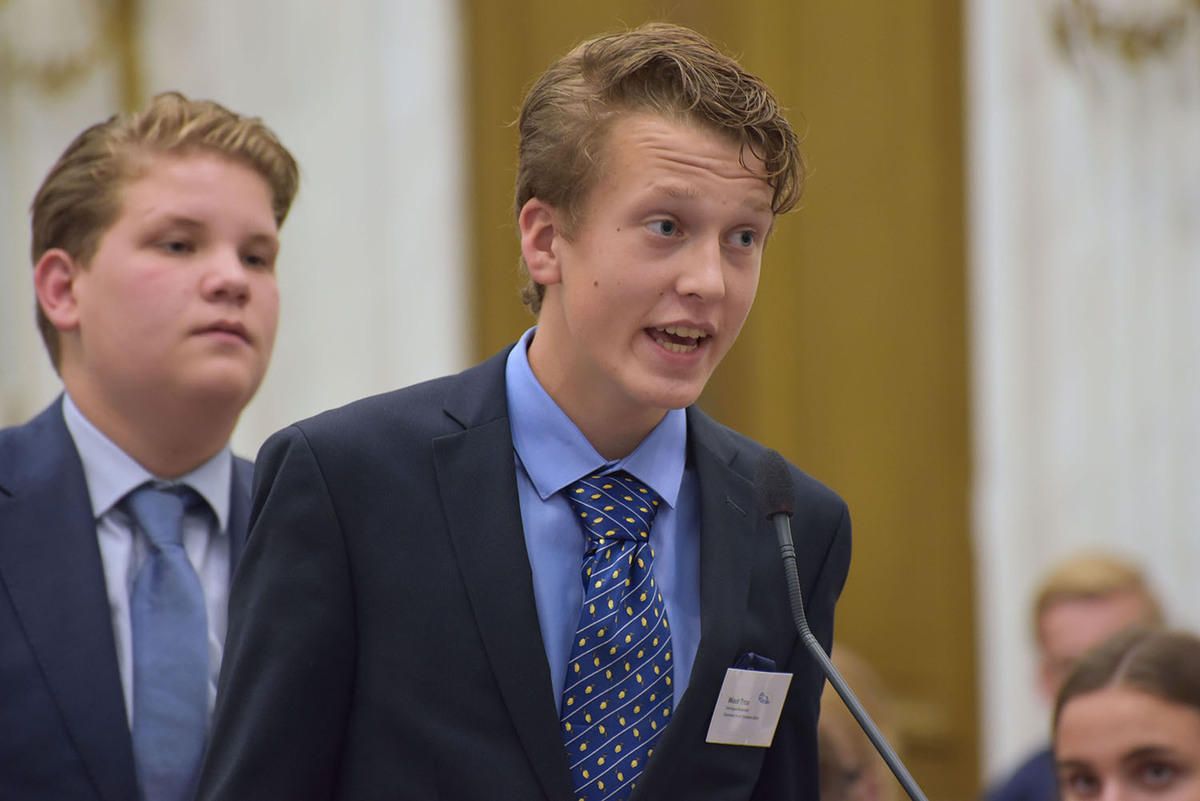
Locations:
{"points": [[63, 730], [384, 641], [1036, 779]]}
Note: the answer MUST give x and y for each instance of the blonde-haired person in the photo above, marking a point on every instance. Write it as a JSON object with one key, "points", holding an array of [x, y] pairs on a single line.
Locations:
{"points": [[1127, 720], [155, 239], [410, 621], [1082, 601], [851, 768]]}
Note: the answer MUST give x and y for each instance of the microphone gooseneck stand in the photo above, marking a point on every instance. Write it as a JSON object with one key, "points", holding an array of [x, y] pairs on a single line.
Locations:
{"points": [[777, 498]]}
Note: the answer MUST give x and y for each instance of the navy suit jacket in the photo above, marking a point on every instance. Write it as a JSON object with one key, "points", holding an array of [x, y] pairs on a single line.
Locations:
{"points": [[384, 639], [63, 729], [1034, 780]]}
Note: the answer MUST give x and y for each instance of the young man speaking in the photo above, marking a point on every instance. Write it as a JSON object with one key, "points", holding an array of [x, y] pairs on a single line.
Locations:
{"points": [[530, 580]]}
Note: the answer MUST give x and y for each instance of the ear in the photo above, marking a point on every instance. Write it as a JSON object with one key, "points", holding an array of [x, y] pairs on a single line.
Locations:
{"points": [[540, 225], [54, 282]]}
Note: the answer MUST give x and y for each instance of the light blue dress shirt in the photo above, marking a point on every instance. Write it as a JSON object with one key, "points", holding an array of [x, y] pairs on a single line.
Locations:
{"points": [[551, 453], [111, 474]]}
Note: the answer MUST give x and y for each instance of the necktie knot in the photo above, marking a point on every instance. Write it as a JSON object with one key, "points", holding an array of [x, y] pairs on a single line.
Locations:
{"points": [[159, 512], [613, 507]]}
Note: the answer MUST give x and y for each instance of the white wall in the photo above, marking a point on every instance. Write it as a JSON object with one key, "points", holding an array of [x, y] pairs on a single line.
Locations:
{"points": [[1085, 313], [367, 95]]}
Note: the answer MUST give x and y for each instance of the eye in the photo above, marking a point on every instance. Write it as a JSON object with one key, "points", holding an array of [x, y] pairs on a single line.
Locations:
{"points": [[259, 261], [664, 227], [1078, 784], [176, 245], [743, 239], [1156, 775]]}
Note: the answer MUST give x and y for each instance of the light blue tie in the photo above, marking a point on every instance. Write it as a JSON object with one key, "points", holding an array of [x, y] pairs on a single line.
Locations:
{"points": [[170, 651], [618, 694]]}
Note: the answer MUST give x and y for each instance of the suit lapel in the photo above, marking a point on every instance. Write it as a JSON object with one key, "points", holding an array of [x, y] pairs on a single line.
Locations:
{"points": [[727, 528], [50, 566], [726, 546], [478, 486]]}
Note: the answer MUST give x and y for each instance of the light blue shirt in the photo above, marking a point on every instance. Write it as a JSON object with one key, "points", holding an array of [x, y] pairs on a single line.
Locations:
{"points": [[111, 474], [551, 453]]}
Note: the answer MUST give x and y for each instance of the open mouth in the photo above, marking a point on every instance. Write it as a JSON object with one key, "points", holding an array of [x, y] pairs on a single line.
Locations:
{"points": [[678, 338]]}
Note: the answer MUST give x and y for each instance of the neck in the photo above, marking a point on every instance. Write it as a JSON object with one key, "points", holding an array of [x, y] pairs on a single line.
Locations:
{"points": [[614, 441], [614, 434], [167, 440], [613, 423]]}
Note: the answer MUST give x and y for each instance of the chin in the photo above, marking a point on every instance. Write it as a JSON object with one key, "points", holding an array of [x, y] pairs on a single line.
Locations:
{"points": [[671, 395], [226, 387]]}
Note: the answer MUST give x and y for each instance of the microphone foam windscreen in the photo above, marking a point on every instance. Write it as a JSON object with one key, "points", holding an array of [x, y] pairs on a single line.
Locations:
{"points": [[773, 485]]}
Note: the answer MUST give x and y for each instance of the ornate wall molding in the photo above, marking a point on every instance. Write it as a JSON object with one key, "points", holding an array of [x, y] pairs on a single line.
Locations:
{"points": [[52, 44], [1133, 36]]}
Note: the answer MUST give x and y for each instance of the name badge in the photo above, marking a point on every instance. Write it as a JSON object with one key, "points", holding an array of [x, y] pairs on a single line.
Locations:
{"points": [[749, 707]]}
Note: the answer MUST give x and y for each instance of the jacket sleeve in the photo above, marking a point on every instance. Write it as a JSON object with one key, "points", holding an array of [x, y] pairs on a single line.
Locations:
{"points": [[287, 672]]}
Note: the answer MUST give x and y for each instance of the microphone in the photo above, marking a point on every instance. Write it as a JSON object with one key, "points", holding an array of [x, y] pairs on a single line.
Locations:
{"points": [[777, 500]]}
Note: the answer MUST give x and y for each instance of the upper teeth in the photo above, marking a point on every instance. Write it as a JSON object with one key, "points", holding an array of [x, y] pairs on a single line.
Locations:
{"points": [[681, 331]]}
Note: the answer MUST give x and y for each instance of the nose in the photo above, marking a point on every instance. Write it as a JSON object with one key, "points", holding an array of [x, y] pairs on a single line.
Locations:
{"points": [[1113, 790], [225, 279], [702, 274]]}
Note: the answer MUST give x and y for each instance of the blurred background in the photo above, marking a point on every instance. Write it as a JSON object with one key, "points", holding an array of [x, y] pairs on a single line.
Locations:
{"points": [[982, 327]]}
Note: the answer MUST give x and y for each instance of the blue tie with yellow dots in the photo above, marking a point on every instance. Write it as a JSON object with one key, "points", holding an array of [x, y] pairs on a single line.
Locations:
{"points": [[618, 694]]}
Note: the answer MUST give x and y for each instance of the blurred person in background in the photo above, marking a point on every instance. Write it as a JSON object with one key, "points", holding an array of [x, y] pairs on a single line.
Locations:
{"points": [[1127, 720], [1083, 601], [851, 769]]}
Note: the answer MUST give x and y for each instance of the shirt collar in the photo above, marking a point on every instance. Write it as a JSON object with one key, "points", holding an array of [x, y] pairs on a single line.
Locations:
{"points": [[555, 453], [111, 473]]}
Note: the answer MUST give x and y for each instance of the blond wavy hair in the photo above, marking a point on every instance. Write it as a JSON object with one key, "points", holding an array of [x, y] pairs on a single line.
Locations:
{"points": [[662, 69]]}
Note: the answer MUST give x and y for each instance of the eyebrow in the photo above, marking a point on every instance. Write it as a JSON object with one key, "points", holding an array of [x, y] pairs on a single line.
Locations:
{"points": [[1149, 751], [176, 220], [676, 192], [760, 206], [264, 236], [183, 221]]}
